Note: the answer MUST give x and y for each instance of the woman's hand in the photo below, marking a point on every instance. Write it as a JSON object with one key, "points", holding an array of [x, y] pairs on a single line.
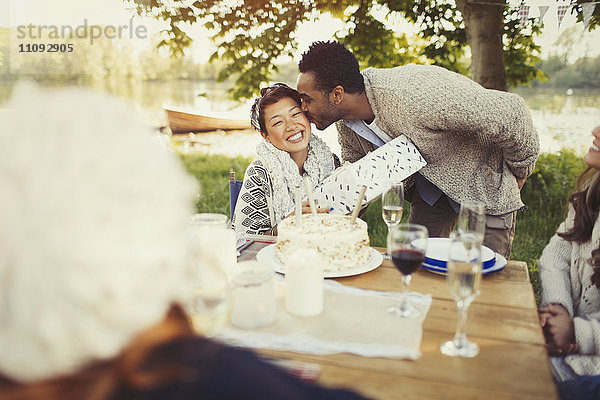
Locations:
{"points": [[306, 209], [558, 329]]}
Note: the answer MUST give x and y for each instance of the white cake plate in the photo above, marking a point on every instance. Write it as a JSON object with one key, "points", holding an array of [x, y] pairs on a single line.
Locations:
{"points": [[267, 255]]}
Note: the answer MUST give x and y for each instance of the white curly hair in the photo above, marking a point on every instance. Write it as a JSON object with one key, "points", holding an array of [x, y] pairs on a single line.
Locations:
{"points": [[93, 234]]}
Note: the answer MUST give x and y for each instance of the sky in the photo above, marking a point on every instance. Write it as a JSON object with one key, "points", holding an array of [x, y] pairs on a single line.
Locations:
{"points": [[115, 13]]}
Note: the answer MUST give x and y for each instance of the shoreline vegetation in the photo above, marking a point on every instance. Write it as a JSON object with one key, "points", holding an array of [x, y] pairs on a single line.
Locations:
{"points": [[545, 193], [119, 60], [558, 72]]}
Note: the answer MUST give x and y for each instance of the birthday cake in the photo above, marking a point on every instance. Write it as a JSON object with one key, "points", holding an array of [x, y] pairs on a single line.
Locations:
{"points": [[342, 244]]}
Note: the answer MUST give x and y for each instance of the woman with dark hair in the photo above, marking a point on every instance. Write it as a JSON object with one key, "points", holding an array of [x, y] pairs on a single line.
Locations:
{"points": [[287, 155], [570, 279]]}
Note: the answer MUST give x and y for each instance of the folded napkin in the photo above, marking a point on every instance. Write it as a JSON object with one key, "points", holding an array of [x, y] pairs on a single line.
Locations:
{"points": [[353, 321]]}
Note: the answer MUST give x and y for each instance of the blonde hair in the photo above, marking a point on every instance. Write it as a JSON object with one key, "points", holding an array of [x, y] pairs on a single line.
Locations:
{"points": [[93, 236]]}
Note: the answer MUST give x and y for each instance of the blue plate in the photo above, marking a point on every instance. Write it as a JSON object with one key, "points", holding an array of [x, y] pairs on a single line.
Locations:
{"points": [[500, 263]]}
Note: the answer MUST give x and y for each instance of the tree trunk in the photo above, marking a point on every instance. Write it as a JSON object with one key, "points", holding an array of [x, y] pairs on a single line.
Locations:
{"points": [[484, 25]]}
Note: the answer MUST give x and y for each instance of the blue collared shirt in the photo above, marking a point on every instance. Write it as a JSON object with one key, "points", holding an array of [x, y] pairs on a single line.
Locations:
{"points": [[367, 132], [375, 135]]}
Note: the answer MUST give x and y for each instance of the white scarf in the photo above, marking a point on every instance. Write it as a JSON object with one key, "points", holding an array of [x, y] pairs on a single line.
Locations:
{"points": [[285, 176]]}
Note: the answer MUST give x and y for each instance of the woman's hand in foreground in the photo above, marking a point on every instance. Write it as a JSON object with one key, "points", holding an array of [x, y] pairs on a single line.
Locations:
{"points": [[558, 329]]}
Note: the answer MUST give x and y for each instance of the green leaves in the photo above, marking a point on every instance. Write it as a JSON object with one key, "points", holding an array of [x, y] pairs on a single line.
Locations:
{"points": [[521, 54], [253, 36], [368, 33]]}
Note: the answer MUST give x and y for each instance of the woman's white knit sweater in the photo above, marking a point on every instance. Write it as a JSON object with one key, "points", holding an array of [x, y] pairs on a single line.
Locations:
{"points": [[565, 274], [475, 140]]}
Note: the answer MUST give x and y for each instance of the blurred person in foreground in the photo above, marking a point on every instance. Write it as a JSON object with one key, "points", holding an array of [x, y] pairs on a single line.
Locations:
{"points": [[570, 280], [94, 251], [479, 144], [288, 154]]}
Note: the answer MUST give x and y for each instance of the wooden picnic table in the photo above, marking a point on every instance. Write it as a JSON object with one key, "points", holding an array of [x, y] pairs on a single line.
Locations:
{"points": [[503, 320]]}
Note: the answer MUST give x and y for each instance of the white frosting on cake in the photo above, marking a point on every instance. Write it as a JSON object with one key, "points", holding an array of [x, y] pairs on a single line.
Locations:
{"points": [[341, 243]]}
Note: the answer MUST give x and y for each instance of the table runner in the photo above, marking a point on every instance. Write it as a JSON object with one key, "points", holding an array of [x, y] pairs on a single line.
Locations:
{"points": [[354, 321]]}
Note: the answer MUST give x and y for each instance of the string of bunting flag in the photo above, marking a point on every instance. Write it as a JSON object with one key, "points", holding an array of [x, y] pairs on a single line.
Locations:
{"points": [[561, 10]]}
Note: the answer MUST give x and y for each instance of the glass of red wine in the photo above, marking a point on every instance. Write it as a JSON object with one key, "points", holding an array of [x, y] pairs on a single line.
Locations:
{"points": [[407, 244]]}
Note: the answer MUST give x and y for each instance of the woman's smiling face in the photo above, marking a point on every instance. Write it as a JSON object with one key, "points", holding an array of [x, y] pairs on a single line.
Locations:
{"points": [[592, 158], [288, 128]]}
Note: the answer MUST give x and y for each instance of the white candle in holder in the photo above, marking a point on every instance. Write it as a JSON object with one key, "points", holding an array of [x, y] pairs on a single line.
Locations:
{"points": [[309, 193], [304, 281], [253, 297]]}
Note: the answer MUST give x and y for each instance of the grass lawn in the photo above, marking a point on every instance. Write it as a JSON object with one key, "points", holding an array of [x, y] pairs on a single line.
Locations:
{"points": [[545, 195]]}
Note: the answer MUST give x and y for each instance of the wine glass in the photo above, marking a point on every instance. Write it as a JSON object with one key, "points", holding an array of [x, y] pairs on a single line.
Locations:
{"points": [[407, 244], [471, 222], [463, 277], [392, 206]]}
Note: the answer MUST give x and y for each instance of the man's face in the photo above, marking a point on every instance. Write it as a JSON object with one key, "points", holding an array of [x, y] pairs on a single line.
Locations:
{"points": [[316, 104]]}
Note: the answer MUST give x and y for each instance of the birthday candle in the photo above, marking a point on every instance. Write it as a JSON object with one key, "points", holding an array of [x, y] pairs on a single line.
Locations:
{"points": [[298, 202]]}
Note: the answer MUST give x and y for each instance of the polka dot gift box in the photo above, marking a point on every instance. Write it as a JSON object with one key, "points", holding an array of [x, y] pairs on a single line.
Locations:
{"points": [[396, 160]]}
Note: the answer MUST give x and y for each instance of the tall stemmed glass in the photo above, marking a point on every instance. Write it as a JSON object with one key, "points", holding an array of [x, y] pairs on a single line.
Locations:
{"points": [[392, 206], [407, 244], [464, 275], [471, 222]]}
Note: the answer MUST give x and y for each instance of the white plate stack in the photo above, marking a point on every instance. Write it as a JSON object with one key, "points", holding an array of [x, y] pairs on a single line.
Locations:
{"points": [[436, 257]]}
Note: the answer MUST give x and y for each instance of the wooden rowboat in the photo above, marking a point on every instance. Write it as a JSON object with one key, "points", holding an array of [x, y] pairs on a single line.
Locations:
{"points": [[184, 122]]}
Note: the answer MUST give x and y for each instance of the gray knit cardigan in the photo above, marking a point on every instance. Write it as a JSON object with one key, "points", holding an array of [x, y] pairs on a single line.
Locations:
{"points": [[475, 140]]}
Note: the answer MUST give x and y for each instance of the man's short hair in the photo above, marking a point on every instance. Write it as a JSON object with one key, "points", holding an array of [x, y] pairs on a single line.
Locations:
{"points": [[332, 64]]}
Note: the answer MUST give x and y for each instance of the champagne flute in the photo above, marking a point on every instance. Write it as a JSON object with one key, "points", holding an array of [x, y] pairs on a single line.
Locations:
{"points": [[471, 222], [464, 275], [392, 206], [407, 244]]}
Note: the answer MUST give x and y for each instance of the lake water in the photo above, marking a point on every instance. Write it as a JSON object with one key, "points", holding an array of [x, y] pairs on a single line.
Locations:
{"points": [[562, 120]]}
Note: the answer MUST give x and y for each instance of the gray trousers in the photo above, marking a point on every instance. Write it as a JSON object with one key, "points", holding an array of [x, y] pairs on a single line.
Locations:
{"points": [[440, 219]]}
